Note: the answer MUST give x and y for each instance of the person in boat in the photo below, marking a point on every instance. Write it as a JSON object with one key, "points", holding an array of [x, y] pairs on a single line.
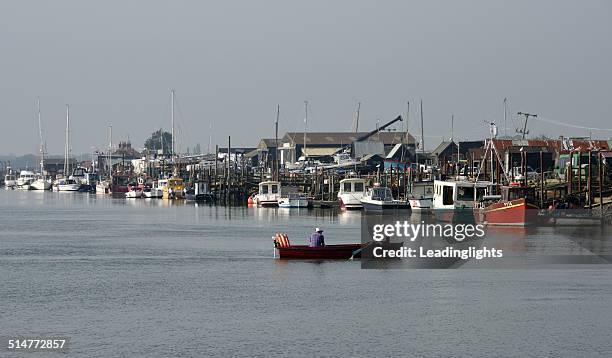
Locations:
{"points": [[317, 239]]}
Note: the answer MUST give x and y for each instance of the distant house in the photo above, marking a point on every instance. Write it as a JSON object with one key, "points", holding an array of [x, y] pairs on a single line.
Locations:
{"points": [[265, 153], [323, 145], [445, 152]]}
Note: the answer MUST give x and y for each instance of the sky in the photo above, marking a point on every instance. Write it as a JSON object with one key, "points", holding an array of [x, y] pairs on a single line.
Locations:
{"points": [[232, 62]]}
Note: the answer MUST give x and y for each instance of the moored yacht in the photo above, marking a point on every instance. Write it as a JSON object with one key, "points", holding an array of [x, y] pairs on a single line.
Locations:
{"points": [[40, 183], [66, 184]]}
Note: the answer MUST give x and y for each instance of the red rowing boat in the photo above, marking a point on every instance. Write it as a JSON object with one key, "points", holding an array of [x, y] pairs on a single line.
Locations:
{"points": [[329, 252], [304, 252]]}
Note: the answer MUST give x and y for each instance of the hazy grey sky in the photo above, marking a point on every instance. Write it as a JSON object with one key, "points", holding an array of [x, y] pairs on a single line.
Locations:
{"points": [[232, 62]]}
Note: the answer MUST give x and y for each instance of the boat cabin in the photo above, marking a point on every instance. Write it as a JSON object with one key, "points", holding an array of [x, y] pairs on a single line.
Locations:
{"points": [[269, 193], [352, 185], [381, 193], [459, 194], [269, 187], [509, 193]]}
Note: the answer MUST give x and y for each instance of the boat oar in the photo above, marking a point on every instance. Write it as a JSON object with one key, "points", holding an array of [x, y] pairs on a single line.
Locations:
{"points": [[356, 252]]}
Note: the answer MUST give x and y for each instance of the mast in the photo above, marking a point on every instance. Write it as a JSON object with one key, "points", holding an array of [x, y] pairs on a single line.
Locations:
{"points": [[357, 117], [110, 148], [42, 145], [505, 112], [172, 120], [422, 131], [452, 128], [209, 136], [305, 124], [67, 145], [276, 143]]}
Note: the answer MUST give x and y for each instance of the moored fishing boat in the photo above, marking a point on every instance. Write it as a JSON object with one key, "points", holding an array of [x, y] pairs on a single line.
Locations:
{"points": [[459, 200], [269, 193], [153, 192], [517, 207], [352, 190], [294, 200], [380, 199], [421, 196]]}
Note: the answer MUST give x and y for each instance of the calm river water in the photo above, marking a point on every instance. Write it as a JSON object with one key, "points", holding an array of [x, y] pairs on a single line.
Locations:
{"points": [[147, 278]]}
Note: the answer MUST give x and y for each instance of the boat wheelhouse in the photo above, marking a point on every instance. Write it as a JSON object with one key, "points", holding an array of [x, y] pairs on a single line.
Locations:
{"points": [[459, 194], [352, 190], [269, 193], [421, 196]]}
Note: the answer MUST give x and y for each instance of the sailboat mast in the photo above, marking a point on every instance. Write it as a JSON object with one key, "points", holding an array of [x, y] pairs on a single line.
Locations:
{"points": [[172, 120], [357, 117], [505, 112], [305, 124], [42, 145], [67, 146], [110, 148], [422, 131], [276, 173]]}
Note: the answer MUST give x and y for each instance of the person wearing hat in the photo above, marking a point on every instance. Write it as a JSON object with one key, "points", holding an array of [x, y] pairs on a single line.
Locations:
{"points": [[317, 239]]}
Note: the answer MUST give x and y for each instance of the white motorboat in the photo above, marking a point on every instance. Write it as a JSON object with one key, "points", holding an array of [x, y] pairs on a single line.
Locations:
{"points": [[421, 196], [269, 193], [154, 192], [10, 181], [103, 187], [380, 199], [134, 193], [40, 183], [64, 184], [293, 200], [25, 179], [352, 190]]}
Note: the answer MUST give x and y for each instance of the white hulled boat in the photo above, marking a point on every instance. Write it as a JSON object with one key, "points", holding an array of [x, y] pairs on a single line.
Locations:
{"points": [[352, 190], [64, 184], [10, 181], [293, 200], [25, 179], [421, 196], [380, 199], [269, 193]]}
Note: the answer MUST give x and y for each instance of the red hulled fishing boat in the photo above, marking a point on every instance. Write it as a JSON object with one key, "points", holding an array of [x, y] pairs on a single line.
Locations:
{"points": [[516, 207]]}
